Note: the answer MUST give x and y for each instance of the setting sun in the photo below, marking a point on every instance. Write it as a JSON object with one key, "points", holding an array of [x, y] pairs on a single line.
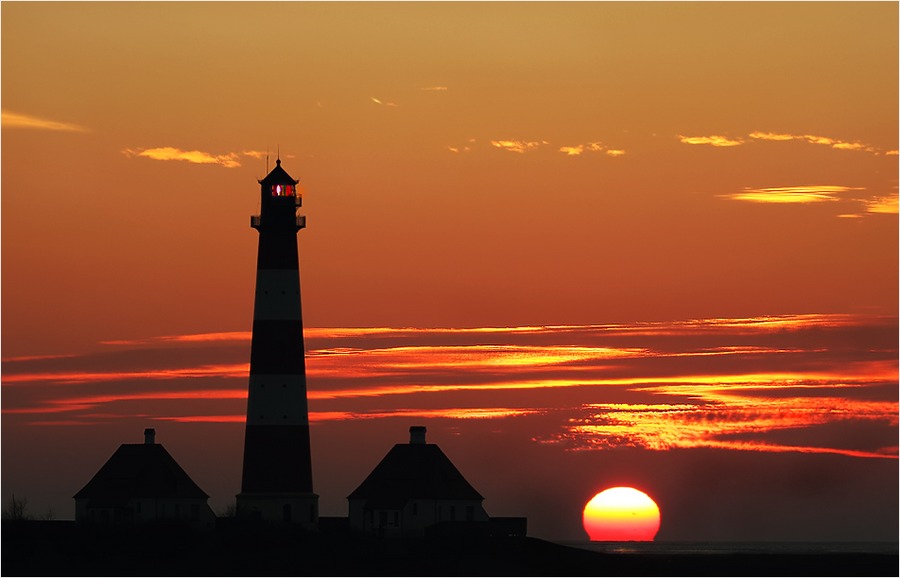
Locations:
{"points": [[621, 515]]}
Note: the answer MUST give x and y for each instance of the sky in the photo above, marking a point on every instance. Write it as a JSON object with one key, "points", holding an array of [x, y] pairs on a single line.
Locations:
{"points": [[584, 244]]}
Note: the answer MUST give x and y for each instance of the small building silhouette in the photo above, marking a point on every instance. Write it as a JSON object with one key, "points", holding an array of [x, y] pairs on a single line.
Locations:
{"points": [[142, 483], [414, 487]]}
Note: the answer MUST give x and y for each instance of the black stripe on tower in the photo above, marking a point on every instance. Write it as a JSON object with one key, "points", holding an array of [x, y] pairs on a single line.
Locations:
{"points": [[276, 459], [277, 250], [277, 348]]}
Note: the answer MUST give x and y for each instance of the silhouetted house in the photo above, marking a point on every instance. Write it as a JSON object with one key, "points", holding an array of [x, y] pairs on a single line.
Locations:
{"points": [[142, 483], [414, 487]]}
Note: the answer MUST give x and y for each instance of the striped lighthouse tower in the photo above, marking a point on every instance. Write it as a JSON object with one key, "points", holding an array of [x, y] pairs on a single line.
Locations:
{"points": [[276, 484]]}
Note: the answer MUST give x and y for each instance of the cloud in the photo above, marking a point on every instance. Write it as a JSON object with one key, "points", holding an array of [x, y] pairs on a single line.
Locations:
{"points": [[821, 140], [255, 154], [15, 120], [594, 147], [462, 148], [103, 375], [322, 416], [523, 146], [228, 160], [815, 139], [36, 357], [771, 136], [600, 354], [852, 146], [448, 413], [714, 140], [722, 141], [801, 194], [883, 205], [786, 383], [379, 102], [730, 418], [572, 151], [887, 204], [189, 338], [518, 146], [435, 88]]}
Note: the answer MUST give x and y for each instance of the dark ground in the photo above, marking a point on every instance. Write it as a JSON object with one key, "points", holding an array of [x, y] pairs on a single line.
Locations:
{"points": [[64, 549]]}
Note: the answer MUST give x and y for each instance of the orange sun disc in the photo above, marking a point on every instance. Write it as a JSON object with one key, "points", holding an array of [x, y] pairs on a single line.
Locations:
{"points": [[621, 515]]}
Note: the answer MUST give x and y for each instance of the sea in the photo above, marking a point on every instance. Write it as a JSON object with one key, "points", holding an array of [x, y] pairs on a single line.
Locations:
{"points": [[713, 548]]}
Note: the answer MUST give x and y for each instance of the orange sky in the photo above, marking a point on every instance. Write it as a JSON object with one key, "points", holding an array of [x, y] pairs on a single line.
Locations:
{"points": [[464, 165]]}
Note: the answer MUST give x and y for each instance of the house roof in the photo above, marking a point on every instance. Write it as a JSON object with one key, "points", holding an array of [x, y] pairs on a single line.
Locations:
{"points": [[139, 471], [412, 471], [278, 176]]}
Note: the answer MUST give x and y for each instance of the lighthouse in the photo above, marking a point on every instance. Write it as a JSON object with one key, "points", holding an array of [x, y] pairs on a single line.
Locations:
{"points": [[276, 483]]}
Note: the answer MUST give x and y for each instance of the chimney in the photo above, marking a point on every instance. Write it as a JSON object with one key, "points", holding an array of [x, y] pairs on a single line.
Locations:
{"points": [[417, 435], [149, 436]]}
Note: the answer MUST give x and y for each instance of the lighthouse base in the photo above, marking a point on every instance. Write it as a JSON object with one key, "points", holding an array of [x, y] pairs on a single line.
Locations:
{"points": [[289, 508]]}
